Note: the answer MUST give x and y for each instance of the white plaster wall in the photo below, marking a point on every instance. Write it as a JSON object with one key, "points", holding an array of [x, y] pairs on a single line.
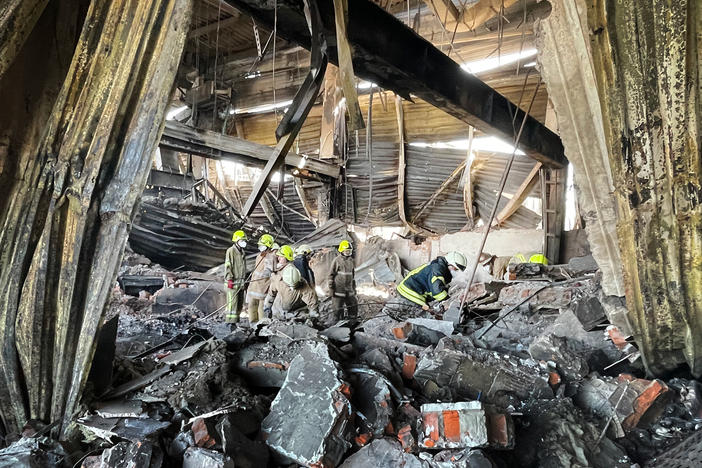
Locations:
{"points": [[503, 243]]}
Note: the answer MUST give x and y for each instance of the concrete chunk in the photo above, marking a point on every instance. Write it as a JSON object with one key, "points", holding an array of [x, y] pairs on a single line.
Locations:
{"points": [[309, 418], [473, 372], [383, 453], [196, 457]]}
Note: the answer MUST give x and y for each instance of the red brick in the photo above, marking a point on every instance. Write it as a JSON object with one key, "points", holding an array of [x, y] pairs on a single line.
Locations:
{"points": [[345, 389], [409, 365], [554, 378], [452, 426], [362, 439], [403, 331], [650, 391], [404, 435], [617, 337], [500, 431], [203, 433], [269, 365]]}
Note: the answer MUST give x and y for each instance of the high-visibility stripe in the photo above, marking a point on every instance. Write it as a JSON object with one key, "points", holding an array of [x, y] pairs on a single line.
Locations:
{"points": [[521, 258], [408, 294], [434, 278], [441, 296]]}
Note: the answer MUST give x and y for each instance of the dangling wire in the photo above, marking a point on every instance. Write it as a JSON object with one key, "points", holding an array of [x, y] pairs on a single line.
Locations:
{"points": [[275, 40], [214, 110]]}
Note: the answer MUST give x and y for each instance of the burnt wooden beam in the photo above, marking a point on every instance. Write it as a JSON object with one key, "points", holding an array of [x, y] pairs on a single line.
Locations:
{"points": [[213, 145], [519, 196], [394, 57]]}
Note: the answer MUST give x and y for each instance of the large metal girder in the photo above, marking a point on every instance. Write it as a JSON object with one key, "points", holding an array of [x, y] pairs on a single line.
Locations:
{"points": [[394, 57]]}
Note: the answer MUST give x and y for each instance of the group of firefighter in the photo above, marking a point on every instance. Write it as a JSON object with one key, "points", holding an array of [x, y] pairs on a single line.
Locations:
{"points": [[282, 284]]}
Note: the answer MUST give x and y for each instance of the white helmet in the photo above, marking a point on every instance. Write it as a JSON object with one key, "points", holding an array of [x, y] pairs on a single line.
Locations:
{"points": [[456, 259], [291, 275]]}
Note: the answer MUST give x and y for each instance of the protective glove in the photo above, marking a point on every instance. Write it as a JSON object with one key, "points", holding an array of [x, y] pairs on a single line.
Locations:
{"points": [[439, 308], [425, 307], [230, 284]]}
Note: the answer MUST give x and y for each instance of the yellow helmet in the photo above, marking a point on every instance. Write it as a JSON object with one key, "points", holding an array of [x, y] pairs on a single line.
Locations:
{"points": [[291, 276], [303, 250], [239, 235], [287, 252], [344, 245], [538, 258], [266, 240]]}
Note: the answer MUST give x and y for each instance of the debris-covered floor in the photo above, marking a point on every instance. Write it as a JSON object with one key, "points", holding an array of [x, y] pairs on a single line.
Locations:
{"points": [[532, 375]]}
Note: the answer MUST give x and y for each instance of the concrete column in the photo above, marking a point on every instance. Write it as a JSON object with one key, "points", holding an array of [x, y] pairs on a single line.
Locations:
{"points": [[566, 66]]}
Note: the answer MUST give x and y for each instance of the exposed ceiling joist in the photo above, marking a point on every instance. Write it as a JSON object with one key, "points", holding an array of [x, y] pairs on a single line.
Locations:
{"points": [[212, 27], [180, 137], [380, 44]]}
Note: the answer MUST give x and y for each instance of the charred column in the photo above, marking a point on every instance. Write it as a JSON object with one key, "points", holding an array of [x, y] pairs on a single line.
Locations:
{"points": [[71, 195]]}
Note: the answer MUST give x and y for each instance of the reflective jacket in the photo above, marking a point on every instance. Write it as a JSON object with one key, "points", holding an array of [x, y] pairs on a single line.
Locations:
{"points": [[341, 276], [429, 282], [261, 276], [302, 264], [288, 299], [235, 266]]}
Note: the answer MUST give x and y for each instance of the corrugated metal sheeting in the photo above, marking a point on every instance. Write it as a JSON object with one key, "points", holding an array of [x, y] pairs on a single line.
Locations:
{"points": [[427, 169], [292, 225]]}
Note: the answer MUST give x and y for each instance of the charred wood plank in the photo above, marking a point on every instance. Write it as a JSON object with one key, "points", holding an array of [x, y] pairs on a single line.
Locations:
{"points": [[208, 144]]}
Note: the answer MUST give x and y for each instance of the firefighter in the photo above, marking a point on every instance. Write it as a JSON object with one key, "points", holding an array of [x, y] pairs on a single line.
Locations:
{"points": [[342, 285], [235, 276], [289, 294], [261, 277], [285, 255], [427, 283], [302, 262]]}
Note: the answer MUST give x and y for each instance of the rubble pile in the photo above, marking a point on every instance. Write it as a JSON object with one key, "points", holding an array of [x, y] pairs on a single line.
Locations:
{"points": [[529, 373]]}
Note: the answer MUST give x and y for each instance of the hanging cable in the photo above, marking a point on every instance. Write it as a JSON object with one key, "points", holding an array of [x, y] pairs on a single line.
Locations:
{"points": [[501, 188], [214, 110], [369, 153]]}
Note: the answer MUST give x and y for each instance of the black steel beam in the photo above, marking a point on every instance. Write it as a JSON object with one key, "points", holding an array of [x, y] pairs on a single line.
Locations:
{"points": [[388, 53]]}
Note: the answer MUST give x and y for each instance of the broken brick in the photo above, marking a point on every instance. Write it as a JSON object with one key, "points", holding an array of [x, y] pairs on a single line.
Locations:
{"points": [[409, 365], [204, 433], [362, 439], [406, 438], [650, 391], [403, 331], [500, 431], [634, 399]]}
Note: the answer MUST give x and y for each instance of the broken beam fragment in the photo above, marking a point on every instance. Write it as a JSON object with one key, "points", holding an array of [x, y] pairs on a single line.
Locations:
{"points": [[380, 43], [209, 144]]}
